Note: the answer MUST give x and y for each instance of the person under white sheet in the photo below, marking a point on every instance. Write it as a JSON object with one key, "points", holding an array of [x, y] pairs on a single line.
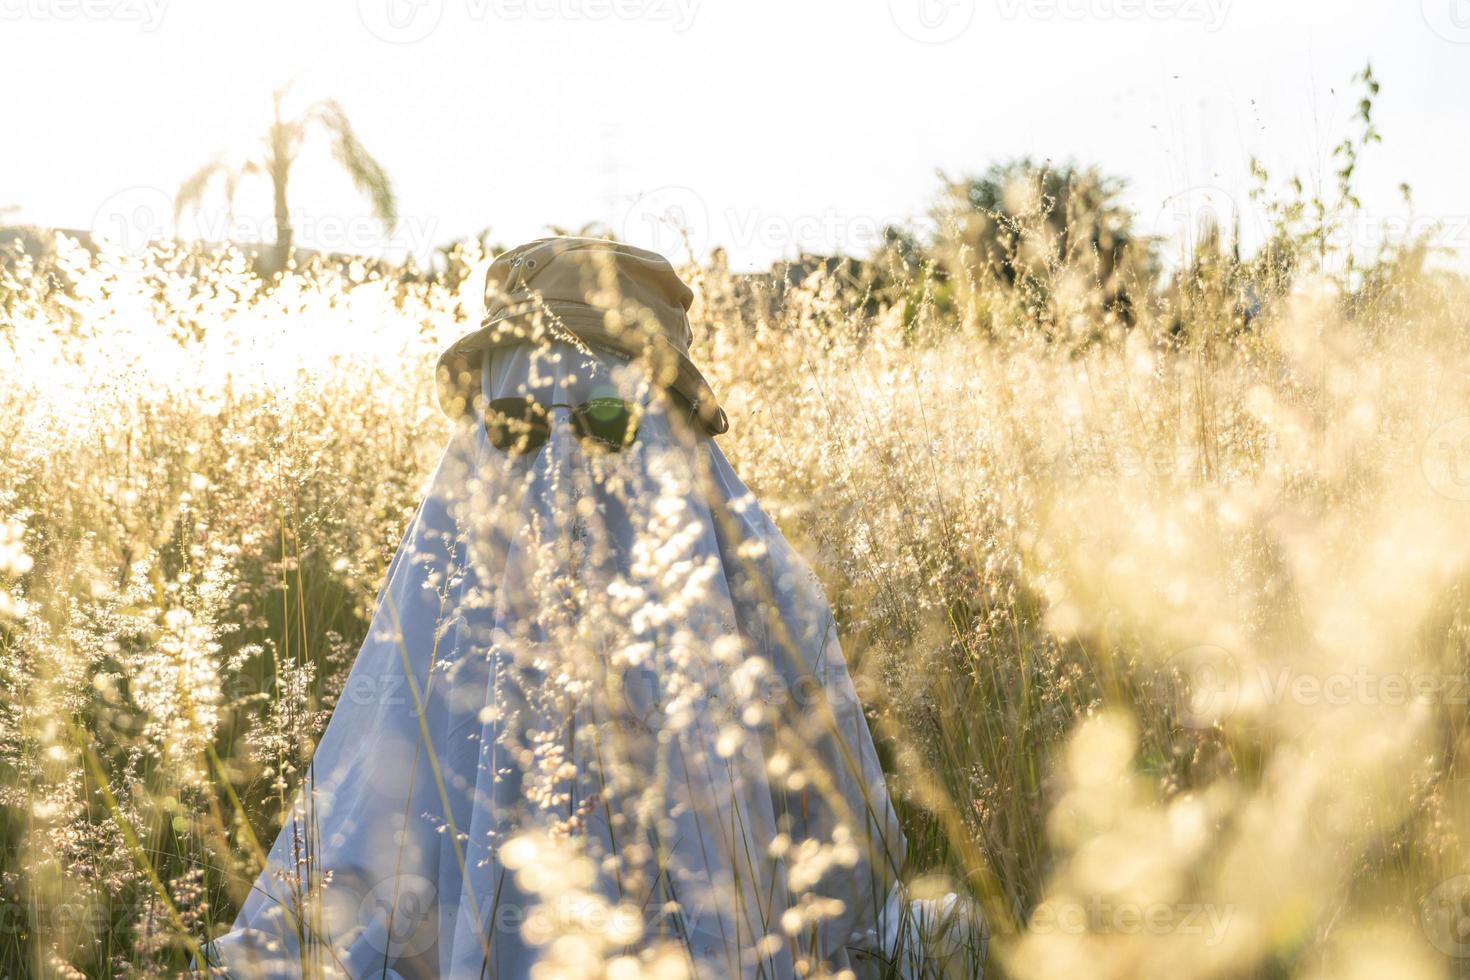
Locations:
{"points": [[600, 719]]}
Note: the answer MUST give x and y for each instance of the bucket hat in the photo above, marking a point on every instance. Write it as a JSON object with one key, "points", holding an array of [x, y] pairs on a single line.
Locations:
{"points": [[605, 294]]}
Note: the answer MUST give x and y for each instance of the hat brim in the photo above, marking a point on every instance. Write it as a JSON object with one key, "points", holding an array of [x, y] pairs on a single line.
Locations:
{"points": [[458, 371]]}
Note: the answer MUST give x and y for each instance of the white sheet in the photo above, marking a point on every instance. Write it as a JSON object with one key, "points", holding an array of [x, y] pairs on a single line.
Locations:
{"points": [[601, 710]]}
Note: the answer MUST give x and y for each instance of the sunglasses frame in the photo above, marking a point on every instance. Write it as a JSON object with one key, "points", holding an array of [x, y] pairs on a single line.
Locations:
{"points": [[534, 421]]}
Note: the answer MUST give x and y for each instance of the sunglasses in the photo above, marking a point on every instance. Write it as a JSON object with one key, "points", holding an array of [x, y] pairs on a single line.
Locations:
{"points": [[520, 426]]}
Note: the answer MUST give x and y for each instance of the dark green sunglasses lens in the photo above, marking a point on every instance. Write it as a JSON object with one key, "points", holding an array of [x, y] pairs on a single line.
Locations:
{"points": [[517, 425], [608, 421]]}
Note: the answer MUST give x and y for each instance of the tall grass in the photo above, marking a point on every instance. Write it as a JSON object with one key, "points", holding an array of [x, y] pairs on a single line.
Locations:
{"points": [[1161, 628]]}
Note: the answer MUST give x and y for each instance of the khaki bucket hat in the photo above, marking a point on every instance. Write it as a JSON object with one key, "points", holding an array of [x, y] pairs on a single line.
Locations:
{"points": [[602, 293]]}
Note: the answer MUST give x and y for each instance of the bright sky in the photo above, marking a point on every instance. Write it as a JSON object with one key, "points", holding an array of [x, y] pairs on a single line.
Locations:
{"points": [[771, 126]]}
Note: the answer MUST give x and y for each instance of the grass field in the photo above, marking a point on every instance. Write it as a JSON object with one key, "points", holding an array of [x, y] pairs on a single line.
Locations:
{"points": [[1161, 623]]}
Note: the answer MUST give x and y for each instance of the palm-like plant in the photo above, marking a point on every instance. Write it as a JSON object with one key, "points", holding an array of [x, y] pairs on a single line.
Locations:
{"points": [[282, 146]]}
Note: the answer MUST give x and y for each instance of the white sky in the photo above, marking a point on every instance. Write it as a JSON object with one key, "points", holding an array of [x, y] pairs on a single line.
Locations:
{"points": [[771, 125]]}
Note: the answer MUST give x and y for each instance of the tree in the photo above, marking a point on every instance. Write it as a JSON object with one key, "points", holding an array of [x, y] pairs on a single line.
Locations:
{"points": [[283, 143], [1034, 228]]}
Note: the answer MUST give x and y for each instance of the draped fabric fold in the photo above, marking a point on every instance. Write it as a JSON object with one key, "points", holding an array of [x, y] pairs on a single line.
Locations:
{"points": [[600, 714]]}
